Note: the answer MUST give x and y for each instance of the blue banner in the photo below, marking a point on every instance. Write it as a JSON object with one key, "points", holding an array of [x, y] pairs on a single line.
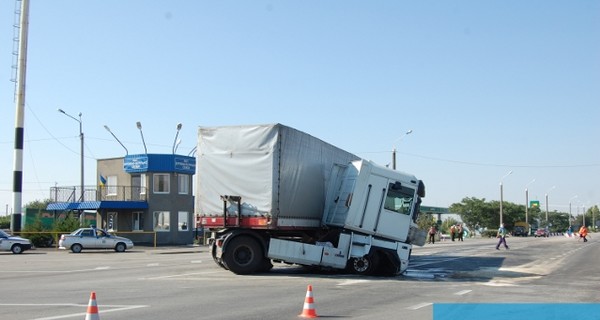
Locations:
{"points": [[515, 311]]}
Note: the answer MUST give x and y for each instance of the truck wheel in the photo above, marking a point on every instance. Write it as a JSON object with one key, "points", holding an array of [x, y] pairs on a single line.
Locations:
{"points": [[266, 265], [365, 265], [243, 255], [76, 248], [213, 253], [16, 249]]}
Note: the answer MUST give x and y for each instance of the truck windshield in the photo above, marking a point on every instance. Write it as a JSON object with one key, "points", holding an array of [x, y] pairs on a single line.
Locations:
{"points": [[399, 199]]}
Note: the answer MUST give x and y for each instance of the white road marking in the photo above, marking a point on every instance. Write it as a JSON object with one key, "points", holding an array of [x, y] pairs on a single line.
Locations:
{"points": [[419, 306], [351, 282], [152, 265], [73, 315], [196, 261], [460, 293]]}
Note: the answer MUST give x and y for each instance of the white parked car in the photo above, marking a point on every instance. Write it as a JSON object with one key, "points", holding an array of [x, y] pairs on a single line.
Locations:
{"points": [[93, 238], [14, 244]]}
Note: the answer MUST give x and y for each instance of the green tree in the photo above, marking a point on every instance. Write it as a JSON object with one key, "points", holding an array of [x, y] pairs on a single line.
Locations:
{"points": [[68, 224], [5, 222], [425, 220], [476, 213]]}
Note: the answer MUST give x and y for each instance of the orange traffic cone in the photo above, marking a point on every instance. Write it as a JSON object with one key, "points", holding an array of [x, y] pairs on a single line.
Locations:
{"points": [[92, 309], [309, 305]]}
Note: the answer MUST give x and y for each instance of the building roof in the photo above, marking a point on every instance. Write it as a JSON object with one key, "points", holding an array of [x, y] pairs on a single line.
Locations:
{"points": [[95, 205]]}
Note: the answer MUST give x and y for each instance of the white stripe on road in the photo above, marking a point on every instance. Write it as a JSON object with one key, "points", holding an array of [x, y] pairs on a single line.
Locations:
{"points": [[419, 306], [460, 293], [73, 315]]}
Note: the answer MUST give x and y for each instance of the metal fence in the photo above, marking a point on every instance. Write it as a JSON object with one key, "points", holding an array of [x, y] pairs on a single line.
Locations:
{"points": [[103, 193]]}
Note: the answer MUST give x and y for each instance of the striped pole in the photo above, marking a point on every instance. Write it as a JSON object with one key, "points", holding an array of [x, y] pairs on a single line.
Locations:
{"points": [[20, 118]]}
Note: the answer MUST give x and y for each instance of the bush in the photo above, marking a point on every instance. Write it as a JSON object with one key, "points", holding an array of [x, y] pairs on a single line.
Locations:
{"points": [[5, 222], [489, 233], [66, 225], [38, 238]]}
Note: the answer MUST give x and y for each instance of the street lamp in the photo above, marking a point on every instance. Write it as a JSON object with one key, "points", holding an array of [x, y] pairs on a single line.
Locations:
{"points": [[547, 203], [139, 126], [570, 215], [179, 125], [501, 193], [119, 141], [81, 138], [527, 204], [394, 150]]}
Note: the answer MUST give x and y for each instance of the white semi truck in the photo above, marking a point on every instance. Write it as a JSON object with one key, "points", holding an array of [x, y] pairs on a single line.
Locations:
{"points": [[271, 193]]}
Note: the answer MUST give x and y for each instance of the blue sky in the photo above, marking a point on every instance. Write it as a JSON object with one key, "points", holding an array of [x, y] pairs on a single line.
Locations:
{"points": [[486, 86]]}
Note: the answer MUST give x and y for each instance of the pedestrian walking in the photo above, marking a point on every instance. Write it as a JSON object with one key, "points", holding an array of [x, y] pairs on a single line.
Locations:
{"points": [[583, 232], [460, 232], [453, 232], [432, 231], [501, 235]]}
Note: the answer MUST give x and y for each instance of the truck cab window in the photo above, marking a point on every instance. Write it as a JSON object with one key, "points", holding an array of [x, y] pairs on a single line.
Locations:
{"points": [[399, 199]]}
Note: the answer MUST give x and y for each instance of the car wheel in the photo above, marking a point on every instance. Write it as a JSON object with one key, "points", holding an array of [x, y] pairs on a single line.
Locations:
{"points": [[120, 247], [16, 249], [76, 248]]}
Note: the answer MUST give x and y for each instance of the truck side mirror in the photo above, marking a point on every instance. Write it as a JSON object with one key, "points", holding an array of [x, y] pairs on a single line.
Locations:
{"points": [[421, 189]]}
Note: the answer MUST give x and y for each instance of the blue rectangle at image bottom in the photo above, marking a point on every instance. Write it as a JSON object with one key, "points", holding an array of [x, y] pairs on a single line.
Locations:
{"points": [[513, 311]]}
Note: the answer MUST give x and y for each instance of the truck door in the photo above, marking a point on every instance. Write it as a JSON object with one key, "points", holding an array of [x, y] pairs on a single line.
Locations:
{"points": [[388, 210], [396, 216]]}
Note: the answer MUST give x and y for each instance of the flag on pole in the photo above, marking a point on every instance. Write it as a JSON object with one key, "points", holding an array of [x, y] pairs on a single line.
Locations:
{"points": [[102, 181]]}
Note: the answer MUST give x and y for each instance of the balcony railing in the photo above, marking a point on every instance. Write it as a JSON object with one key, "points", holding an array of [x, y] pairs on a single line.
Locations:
{"points": [[104, 193]]}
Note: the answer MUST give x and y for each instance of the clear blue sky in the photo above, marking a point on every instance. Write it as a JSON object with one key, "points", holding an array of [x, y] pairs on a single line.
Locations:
{"points": [[486, 86]]}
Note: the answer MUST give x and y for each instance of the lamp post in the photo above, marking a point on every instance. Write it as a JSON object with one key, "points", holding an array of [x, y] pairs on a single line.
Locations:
{"points": [[81, 152], [570, 215], [119, 141], [394, 150], [139, 126], [179, 125], [501, 193], [527, 204], [547, 203]]}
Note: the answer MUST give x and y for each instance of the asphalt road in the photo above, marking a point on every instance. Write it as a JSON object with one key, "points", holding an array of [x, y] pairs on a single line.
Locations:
{"points": [[184, 283]]}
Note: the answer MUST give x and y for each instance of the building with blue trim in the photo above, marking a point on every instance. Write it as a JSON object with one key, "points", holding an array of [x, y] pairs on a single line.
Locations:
{"points": [[145, 197]]}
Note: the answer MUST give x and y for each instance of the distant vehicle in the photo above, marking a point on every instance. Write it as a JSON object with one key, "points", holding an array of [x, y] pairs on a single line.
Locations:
{"points": [[93, 238], [542, 233], [15, 244], [521, 229]]}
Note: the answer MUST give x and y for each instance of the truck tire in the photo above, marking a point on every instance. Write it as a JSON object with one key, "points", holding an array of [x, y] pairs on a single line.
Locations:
{"points": [[365, 265], [213, 253], [243, 255], [266, 265]]}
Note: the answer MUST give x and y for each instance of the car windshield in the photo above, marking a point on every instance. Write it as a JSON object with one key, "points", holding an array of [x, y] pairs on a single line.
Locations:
{"points": [[4, 234]]}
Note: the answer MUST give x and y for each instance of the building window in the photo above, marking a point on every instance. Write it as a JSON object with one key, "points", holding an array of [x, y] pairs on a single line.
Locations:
{"points": [[183, 222], [143, 184], [161, 183], [111, 185], [137, 222], [161, 221], [183, 180]]}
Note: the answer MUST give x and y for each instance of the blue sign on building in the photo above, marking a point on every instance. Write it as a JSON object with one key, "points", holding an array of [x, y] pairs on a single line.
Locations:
{"points": [[159, 163]]}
